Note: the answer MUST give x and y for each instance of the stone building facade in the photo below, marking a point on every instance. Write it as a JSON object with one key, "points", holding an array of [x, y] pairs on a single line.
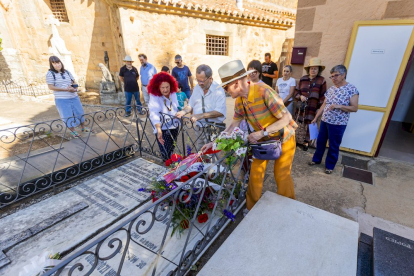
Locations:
{"points": [[160, 29]]}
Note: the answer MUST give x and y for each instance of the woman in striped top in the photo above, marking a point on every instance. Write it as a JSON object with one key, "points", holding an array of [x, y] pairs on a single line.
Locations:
{"points": [[67, 101]]}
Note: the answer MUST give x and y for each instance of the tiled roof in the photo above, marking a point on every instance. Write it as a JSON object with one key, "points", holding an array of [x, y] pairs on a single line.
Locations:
{"points": [[264, 14]]}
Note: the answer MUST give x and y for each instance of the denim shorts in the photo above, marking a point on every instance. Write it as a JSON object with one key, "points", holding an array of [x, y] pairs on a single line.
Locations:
{"points": [[70, 111]]}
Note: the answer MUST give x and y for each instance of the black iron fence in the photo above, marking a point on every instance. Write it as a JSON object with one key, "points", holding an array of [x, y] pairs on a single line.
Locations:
{"points": [[40, 156], [37, 157], [11, 87], [113, 250]]}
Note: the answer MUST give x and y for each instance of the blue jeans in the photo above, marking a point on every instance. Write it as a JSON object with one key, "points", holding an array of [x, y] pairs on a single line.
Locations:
{"points": [[188, 93], [70, 111], [334, 134], [128, 97]]}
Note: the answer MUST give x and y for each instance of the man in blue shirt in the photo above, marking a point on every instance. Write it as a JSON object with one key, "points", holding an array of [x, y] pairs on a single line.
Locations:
{"points": [[183, 75], [146, 71]]}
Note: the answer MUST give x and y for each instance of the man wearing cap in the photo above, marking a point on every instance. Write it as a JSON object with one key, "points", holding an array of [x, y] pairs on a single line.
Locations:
{"points": [[129, 76], [147, 71], [208, 105], [264, 110]]}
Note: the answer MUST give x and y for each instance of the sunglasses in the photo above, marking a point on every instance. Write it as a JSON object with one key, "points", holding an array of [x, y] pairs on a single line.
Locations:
{"points": [[177, 62]]}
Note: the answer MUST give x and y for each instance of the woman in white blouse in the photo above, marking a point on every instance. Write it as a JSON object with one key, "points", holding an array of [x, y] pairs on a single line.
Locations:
{"points": [[285, 86], [163, 105]]}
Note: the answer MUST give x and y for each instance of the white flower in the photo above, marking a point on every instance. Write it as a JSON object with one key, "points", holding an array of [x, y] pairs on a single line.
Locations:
{"points": [[224, 135], [215, 146], [213, 137], [241, 151]]}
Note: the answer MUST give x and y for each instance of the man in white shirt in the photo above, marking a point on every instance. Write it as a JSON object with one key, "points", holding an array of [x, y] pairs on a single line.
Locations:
{"points": [[208, 104]]}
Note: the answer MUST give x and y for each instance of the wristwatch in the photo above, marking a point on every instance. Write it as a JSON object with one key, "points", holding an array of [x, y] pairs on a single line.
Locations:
{"points": [[265, 133]]}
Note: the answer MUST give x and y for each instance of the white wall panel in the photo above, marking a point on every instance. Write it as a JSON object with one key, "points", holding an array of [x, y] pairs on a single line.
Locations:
{"points": [[376, 60]]}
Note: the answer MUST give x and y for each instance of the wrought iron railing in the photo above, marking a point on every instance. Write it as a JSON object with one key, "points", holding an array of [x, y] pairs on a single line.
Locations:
{"points": [[11, 87], [113, 250], [37, 157], [116, 136]]}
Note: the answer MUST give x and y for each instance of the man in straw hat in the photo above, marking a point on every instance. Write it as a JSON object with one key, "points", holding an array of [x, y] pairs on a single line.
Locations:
{"points": [[129, 76], [264, 110]]}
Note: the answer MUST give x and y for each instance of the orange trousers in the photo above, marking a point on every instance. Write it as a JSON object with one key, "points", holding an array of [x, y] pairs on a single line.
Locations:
{"points": [[282, 169]]}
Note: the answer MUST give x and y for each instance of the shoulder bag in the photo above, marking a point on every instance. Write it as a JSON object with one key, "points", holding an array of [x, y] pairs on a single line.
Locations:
{"points": [[268, 150]]}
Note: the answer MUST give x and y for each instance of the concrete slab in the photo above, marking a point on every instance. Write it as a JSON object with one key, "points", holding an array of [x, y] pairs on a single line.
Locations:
{"points": [[281, 236]]}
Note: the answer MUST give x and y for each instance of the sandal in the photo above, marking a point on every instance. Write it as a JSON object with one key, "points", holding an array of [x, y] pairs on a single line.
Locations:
{"points": [[328, 171], [313, 163], [75, 134]]}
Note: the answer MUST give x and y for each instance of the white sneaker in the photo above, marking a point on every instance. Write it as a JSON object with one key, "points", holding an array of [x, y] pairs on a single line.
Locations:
{"points": [[245, 212]]}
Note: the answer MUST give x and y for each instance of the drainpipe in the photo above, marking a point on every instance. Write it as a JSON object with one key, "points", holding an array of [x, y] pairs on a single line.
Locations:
{"points": [[239, 4]]}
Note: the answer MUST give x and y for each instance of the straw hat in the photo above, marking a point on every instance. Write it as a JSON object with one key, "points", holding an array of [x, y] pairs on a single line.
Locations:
{"points": [[128, 58], [232, 71], [315, 62]]}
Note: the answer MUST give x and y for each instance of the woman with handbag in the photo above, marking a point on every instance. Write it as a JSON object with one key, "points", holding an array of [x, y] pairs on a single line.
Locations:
{"points": [[274, 127], [309, 97], [163, 106]]}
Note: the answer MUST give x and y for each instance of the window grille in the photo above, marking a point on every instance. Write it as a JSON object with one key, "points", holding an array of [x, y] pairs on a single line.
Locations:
{"points": [[59, 10], [217, 45]]}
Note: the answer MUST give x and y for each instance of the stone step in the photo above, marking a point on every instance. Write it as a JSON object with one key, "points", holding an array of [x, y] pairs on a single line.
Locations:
{"points": [[281, 236], [393, 254]]}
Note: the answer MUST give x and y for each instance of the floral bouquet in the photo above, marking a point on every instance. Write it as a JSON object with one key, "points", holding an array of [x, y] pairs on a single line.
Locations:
{"points": [[232, 142]]}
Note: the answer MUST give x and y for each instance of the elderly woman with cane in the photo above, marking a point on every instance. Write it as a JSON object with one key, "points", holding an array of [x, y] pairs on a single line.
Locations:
{"points": [[309, 98], [340, 100], [163, 105]]}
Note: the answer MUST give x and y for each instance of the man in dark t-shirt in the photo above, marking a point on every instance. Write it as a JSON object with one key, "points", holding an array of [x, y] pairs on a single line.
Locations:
{"points": [[269, 70], [183, 75], [129, 76]]}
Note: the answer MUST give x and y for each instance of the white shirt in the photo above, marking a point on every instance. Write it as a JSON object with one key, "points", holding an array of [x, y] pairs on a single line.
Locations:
{"points": [[214, 100], [284, 86], [157, 105]]}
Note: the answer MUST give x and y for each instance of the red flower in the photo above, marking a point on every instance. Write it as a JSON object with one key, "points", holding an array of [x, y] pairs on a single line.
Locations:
{"points": [[168, 162], [154, 199], [211, 151], [231, 202], [184, 224], [185, 197], [192, 174], [202, 218], [211, 205], [184, 178], [153, 193], [176, 157]]}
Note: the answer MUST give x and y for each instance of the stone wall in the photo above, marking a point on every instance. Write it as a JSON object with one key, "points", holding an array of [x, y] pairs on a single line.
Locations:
{"points": [[87, 36], [162, 36], [325, 27]]}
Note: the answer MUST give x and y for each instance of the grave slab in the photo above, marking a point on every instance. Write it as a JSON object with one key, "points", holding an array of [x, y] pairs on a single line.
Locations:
{"points": [[393, 254], [281, 236], [109, 196]]}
